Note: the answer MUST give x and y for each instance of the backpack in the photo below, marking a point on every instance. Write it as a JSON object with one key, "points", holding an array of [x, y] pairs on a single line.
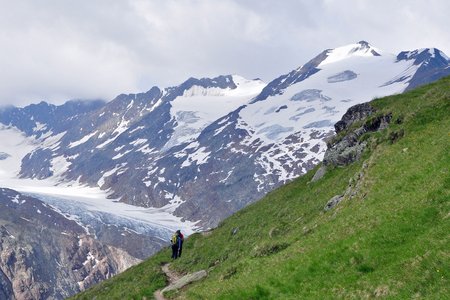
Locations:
{"points": [[174, 239]]}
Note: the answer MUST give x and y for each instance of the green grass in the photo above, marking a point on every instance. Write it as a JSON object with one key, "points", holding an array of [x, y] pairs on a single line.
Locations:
{"points": [[391, 241]]}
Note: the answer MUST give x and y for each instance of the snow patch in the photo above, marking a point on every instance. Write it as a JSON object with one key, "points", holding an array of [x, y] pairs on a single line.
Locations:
{"points": [[59, 165], [101, 181], [15, 199], [199, 157], [139, 142], [82, 140], [122, 154], [39, 127], [105, 143]]}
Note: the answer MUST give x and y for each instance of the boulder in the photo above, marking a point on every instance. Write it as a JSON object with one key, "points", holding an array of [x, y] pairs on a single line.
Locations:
{"points": [[355, 113], [319, 173], [333, 202], [185, 280]]}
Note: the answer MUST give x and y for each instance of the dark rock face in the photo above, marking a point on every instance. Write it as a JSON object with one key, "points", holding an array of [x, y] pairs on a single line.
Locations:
{"points": [[354, 114], [39, 166], [55, 118], [6, 290], [365, 46], [349, 148], [319, 173], [44, 255]]}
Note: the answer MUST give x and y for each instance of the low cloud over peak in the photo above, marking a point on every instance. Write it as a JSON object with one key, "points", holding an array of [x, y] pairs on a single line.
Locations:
{"points": [[58, 50]]}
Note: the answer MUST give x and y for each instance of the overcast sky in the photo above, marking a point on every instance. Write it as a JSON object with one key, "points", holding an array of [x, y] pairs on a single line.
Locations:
{"points": [[56, 50]]}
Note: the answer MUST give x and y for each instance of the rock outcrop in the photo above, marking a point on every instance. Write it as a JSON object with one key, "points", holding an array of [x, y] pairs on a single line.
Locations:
{"points": [[347, 146]]}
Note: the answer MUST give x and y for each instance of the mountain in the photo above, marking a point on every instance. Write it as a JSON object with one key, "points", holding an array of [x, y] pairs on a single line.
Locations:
{"points": [[116, 146], [134, 169], [374, 225], [47, 255], [209, 147], [43, 117]]}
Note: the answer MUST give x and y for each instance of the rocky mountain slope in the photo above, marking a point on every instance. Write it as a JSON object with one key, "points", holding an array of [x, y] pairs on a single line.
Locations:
{"points": [[373, 224], [238, 138], [46, 255]]}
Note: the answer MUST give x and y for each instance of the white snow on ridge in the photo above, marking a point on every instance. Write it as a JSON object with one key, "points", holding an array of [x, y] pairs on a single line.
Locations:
{"points": [[139, 142], [82, 140], [39, 127], [200, 156], [105, 143], [348, 51], [122, 154], [121, 127], [199, 107]]}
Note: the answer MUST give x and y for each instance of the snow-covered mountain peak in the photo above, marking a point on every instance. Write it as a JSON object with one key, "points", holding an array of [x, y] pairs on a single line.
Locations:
{"points": [[200, 105], [236, 86], [361, 48], [424, 55], [246, 87]]}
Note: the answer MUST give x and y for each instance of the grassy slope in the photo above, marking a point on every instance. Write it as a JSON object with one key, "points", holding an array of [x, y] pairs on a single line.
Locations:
{"points": [[391, 240]]}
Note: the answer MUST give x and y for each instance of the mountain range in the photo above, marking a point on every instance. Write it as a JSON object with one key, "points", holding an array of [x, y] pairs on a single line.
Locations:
{"points": [[191, 155]]}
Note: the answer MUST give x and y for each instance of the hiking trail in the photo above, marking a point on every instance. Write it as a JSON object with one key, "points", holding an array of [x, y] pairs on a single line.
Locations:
{"points": [[171, 276]]}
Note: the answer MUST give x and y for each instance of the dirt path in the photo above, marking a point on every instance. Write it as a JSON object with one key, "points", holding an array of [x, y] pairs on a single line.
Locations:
{"points": [[171, 276]]}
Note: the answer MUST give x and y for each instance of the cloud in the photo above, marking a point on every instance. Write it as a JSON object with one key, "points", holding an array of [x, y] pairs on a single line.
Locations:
{"points": [[58, 50]]}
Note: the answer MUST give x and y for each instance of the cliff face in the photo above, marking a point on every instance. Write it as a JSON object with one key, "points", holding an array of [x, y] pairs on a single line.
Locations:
{"points": [[45, 255]]}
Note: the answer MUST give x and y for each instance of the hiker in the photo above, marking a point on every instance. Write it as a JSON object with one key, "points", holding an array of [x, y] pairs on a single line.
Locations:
{"points": [[177, 244], [180, 240], [174, 241]]}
